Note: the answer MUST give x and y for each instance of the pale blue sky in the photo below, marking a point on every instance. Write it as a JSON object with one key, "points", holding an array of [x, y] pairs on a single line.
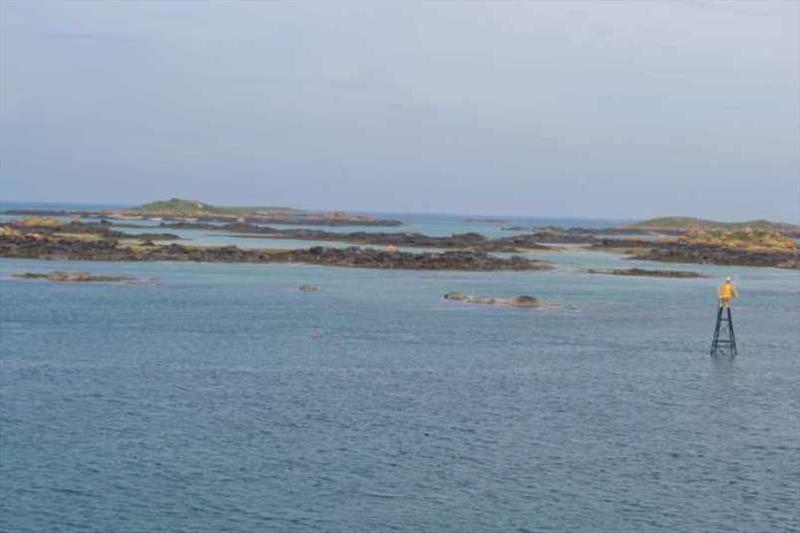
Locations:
{"points": [[596, 109]]}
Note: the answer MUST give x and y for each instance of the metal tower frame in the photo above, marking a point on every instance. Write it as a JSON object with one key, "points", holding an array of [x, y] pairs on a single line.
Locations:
{"points": [[721, 345]]}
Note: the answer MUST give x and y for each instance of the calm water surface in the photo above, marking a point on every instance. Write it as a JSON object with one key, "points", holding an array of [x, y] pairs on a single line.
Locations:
{"points": [[215, 397]]}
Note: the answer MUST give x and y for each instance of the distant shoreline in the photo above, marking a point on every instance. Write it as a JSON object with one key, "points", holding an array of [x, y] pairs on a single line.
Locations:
{"points": [[767, 244], [6, 206]]}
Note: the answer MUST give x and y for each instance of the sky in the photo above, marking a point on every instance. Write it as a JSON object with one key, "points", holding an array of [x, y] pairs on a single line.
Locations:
{"points": [[594, 109]]}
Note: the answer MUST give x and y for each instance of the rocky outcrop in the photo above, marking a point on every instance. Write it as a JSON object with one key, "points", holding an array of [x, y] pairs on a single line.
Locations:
{"points": [[473, 241], [784, 254], [73, 277], [321, 219], [519, 301], [536, 241], [41, 222], [682, 274], [468, 241], [513, 228], [721, 256], [46, 212], [371, 258], [740, 248], [486, 221], [99, 229], [28, 246]]}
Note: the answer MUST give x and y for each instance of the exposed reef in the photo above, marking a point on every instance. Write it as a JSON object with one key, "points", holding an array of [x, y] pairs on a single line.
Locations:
{"points": [[73, 277], [45, 247], [764, 244], [761, 248], [43, 226], [682, 274], [513, 228], [486, 221], [464, 241], [720, 256], [475, 241], [519, 301], [748, 247]]}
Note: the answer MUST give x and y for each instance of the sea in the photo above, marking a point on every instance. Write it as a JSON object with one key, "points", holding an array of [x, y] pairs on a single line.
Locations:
{"points": [[221, 398]]}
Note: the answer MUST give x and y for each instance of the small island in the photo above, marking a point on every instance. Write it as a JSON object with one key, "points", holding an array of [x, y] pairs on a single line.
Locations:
{"points": [[182, 210], [682, 225]]}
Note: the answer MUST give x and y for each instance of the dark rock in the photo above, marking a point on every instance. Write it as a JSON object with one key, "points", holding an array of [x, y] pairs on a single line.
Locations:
{"points": [[525, 301], [680, 251], [470, 241], [100, 229], [73, 277], [486, 220], [683, 274], [457, 296], [676, 252], [30, 246], [519, 301]]}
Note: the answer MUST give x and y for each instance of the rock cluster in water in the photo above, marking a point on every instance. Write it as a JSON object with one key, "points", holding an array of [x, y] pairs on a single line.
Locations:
{"points": [[471, 241], [741, 247], [73, 277], [685, 251], [43, 226], [683, 274], [44, 247], [519, 301], [718, 255]]}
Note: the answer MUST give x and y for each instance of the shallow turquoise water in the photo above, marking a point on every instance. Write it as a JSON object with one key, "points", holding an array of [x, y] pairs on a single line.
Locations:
{"points": [[217, 397]]}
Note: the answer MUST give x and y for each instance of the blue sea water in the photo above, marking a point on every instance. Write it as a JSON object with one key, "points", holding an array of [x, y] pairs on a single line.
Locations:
{"points": [[219, 397]]}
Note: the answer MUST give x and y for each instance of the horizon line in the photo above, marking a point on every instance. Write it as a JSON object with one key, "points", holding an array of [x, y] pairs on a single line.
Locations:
{"points": [[374, 212]]}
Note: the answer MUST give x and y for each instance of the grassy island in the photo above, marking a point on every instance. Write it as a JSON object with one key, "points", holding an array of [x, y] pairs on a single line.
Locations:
{"points": [[684, 224]]}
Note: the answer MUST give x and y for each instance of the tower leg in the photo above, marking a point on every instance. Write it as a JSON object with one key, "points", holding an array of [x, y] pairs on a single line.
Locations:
{"points": [[732, 335], [715, 341]]}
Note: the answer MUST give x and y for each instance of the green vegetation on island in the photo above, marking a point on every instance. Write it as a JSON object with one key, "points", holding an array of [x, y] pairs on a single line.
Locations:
{"points": [[688, 223], [748, 238], [182, 210], [194, 208]]}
